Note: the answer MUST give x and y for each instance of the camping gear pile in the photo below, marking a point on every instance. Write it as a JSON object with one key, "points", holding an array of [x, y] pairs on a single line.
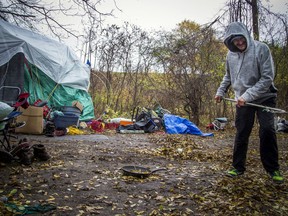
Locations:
{"points": [[49, 73], [46, 69], [60, 118], [147, 121]]}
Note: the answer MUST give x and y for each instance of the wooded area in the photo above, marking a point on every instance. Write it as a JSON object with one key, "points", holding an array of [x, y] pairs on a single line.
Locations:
{"points": [[179, 70]]}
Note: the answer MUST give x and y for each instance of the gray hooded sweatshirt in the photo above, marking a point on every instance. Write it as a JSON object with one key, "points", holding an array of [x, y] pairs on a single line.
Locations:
{"points": [[251, 72]]}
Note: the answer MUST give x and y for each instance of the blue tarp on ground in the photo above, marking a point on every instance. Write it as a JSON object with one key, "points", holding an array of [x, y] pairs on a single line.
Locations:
{"points": [[177, 125]]}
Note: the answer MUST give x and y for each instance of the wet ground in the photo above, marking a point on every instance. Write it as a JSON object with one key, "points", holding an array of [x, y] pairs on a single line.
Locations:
{"points": [[84, 177]]}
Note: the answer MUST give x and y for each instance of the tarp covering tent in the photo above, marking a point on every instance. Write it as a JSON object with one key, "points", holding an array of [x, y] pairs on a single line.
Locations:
{"points": [[49, 70]]}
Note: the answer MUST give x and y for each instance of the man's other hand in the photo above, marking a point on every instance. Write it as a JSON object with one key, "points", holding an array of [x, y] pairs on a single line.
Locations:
{"points": [[218, 99]]}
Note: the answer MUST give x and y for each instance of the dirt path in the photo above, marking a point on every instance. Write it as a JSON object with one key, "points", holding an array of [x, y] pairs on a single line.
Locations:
{"points": [[83, 177]]}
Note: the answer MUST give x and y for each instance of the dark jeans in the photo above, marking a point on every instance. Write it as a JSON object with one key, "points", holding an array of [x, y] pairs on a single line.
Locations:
{"points": [[244, 122]]}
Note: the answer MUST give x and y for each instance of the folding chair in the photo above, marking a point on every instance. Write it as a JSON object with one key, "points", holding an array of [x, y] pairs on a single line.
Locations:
{"points": [[5, 130], [12, 96], [9, 94]]}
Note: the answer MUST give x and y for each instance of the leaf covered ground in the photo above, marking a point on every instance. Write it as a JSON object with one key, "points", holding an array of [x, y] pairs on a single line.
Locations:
{"points": [[84, 178]]}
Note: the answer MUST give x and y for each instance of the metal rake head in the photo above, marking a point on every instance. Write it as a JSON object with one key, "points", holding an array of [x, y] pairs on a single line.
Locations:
{"points": [[274, 110]]}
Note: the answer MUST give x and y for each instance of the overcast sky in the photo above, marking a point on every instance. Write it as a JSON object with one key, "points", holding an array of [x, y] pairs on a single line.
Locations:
{"points": [[163, 14], [155, 14]]}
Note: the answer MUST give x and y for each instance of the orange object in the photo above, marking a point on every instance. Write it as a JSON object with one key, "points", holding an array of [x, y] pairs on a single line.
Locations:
{"points": [[125, 122]]}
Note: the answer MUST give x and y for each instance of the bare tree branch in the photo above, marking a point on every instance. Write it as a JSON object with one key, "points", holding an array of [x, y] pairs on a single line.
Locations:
{"points": [[32, 13]]}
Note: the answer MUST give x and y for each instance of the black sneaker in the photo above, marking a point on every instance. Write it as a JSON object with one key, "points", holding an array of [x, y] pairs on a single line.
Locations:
{"points": [[276, 177], [234, 173]]}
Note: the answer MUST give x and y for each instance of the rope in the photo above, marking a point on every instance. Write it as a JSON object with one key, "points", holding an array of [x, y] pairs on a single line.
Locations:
{"points": [[50, 95]]}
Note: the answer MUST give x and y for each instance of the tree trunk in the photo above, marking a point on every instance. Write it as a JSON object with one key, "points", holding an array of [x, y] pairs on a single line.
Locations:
{"points": [[255, 19]]}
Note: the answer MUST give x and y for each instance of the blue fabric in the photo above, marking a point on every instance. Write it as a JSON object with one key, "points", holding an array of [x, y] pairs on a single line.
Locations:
{"points": [[177, 125]]}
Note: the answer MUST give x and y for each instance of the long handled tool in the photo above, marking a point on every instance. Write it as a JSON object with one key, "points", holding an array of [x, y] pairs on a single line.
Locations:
{"points": [[265, 108]]}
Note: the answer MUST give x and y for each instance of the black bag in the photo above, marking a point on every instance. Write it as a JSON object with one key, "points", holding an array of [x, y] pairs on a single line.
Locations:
{"points": [[143, 122]]}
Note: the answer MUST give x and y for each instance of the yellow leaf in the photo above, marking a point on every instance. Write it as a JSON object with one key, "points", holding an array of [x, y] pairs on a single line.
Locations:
{"points": [[56, 176], [21, 208], [9, 209], [12, 192], [51, 198], [139, 212]]}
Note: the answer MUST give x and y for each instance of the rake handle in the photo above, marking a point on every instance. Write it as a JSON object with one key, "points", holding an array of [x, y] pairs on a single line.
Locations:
{"points": [[257, 105], [250, 104]]}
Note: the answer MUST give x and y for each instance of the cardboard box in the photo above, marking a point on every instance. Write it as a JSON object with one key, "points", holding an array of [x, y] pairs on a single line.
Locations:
{"points": [[78, 105], [33, 116]]}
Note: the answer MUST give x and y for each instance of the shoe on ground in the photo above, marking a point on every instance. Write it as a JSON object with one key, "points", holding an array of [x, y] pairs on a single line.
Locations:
{"points": [[26, 155], [234, 173], [49, 129], [17, 149], [277, 177], [40, 152]]}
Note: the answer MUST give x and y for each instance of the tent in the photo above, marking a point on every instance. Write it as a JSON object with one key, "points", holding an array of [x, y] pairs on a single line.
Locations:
{"points": [[45, 68]]}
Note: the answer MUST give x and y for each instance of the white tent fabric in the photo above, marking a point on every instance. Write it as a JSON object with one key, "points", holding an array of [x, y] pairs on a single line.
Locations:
{"points": [[55, 59]]}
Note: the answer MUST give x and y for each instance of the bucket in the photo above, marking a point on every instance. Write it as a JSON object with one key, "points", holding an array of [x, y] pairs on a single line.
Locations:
{"points": [[66, 120], [70, 110]]}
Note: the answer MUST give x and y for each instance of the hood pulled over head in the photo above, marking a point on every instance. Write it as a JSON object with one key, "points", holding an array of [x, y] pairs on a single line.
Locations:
{"points": [[236, 30]]}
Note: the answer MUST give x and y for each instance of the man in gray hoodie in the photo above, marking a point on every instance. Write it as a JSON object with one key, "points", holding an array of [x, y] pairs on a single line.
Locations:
{"points": [[250, 72]]}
